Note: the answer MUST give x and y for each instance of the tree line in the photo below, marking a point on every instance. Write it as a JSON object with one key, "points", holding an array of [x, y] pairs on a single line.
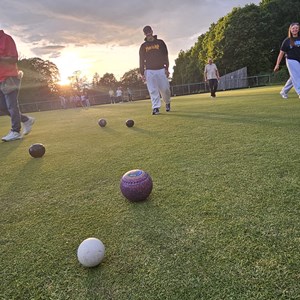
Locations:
{"points": [[248, 36], [41, 78]]}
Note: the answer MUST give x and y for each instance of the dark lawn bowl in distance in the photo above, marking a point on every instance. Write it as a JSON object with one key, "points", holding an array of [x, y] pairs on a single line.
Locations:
{"points": [[37, 150], [129, 123], [136, 185], [102, 122]]}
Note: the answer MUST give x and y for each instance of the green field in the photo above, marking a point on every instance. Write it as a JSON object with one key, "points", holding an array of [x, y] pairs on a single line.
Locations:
{"points": [[222, 221]]}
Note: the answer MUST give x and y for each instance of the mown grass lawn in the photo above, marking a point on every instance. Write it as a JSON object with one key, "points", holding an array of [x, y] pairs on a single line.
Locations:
{"points": [[222, 221]]}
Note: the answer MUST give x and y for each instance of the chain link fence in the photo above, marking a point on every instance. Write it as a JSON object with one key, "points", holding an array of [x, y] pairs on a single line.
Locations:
{"points": [[230, 81]]}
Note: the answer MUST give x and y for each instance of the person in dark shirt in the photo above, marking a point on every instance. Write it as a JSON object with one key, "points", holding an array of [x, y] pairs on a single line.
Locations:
{"points": [[290, 48], [154, 68]]}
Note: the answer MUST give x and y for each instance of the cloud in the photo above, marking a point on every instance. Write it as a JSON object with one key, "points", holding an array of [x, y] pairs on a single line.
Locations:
{"points": [[53, 51], [110, 22], [48, 27]]}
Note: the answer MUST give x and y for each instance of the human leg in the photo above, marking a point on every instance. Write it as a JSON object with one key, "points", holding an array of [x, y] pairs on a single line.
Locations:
{"points": [[214, 87], [211, 87], [3, 107], [152, 85], [294, 70], [14, 133], [164, 88], [10, 104], [287, 87]]}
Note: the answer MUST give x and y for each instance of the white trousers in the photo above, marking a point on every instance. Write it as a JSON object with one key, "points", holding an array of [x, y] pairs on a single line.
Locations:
{"points": [[294, 70], [158, 85], [288, 86]]}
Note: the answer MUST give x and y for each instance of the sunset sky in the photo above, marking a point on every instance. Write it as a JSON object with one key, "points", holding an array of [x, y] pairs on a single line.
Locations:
{"points": [[104, 36]]}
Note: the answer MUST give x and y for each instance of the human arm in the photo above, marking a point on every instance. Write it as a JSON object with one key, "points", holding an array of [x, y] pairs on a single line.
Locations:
{"points": [[217, 74], [164, 51], [142, 61], [205, 74], [142, 64], [8, 60], [279, 58]]}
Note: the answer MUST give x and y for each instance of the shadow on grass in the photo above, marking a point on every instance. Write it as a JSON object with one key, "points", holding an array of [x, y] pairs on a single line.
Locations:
{"points": [[136, 129], [7, 148], [107, 129], [25, 179], [233, 118], [141, 130]]}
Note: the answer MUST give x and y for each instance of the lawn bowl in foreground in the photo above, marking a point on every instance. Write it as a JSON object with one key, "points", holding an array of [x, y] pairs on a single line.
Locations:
{"points": [[136, 185], [37, 150], [102, 122], [90, 252], [129, 123]]}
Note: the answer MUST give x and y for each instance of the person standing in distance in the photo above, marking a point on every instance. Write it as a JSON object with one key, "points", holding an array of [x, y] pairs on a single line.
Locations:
{"points": [[290, 48], [211, 74], [10, 82], [154, 68]]}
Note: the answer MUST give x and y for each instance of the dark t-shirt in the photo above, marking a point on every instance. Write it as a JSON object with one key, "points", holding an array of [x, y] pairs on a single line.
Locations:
{"points": [[153, 55], [292, 52]]}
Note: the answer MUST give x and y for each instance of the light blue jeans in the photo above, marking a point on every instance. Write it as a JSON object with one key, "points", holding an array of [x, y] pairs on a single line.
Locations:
{"points": [[288, 86], [294, 70], [9, 104]]}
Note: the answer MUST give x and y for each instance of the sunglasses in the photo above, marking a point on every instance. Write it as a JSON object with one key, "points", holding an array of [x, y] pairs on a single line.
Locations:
{"points": [[294, 24]]}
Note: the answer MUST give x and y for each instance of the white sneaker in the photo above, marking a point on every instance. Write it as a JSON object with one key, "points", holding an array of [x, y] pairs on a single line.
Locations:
{"points": [[28, 125], [283, 95], [12, 136]]}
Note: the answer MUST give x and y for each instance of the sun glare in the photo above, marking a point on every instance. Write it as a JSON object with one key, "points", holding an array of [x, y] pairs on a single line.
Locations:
{"points": [[92, 59], [64, 81], [68, 63]]}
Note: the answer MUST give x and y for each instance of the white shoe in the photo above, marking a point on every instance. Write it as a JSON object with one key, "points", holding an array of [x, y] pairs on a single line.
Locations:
{"points": [[12, 136], [28, 125], [283, 95]]}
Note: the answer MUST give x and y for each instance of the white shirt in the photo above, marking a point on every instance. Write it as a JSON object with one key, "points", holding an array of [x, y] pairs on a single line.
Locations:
{"points": [[210, 70]]}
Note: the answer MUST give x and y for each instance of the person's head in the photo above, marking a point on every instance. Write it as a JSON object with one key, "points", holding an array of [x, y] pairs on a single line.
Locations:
{"points": [[293, 30], [148, 32], [210, 61]]}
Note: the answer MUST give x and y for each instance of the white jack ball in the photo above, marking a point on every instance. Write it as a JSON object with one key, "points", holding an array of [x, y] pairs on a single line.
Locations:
{"points": [[90, 252]]}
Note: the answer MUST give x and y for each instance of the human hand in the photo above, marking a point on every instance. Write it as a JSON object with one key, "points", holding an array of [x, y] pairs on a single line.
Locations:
{"points": [[20, 74]]}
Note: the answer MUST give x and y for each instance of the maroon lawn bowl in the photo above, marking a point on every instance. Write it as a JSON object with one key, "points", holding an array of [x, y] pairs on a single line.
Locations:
{"points": [[136, 185]]}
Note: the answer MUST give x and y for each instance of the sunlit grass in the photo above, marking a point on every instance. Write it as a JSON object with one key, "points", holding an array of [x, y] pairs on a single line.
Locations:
{"points": [[222, 221]]}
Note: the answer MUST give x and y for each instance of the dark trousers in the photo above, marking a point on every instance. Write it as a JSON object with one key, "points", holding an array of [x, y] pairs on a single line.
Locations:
{"points": [[213, 85], [9, 105]]}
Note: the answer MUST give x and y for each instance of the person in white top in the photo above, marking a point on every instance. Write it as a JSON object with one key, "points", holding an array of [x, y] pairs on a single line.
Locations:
{"points": [[211, 74], [112, 96], [119, 94]]}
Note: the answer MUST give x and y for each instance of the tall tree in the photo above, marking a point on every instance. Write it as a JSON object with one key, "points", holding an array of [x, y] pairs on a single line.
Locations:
{"points": [[108, 80], [40, 80], [132, 79], [246, 37], [78, 82], [96, 80]]}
